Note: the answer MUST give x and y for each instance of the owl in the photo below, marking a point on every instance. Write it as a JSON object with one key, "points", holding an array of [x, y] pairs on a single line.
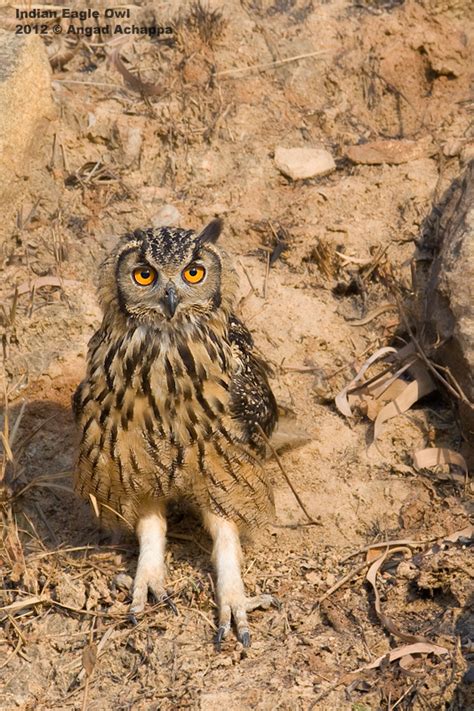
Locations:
{"points": [[176, 403]]}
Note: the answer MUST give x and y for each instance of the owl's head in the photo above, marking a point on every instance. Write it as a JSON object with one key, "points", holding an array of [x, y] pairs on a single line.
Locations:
{"points": [[167, 276]]}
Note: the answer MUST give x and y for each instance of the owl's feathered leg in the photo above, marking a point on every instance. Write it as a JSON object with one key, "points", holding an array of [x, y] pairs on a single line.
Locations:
{"points": [[151, 571], [231, 598]]}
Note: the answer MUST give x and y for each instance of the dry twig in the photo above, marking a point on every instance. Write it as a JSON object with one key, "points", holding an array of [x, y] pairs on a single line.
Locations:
{"points": [[311, 520]]}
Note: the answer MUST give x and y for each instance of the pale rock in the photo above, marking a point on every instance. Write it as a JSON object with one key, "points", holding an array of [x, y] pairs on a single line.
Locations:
{"points": [[168, 216], [26, 107], [304, 163]]}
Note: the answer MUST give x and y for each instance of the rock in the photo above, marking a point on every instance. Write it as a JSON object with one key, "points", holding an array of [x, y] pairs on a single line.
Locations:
{"points": [[446, 290], [303, 163], [26, 106], [168, 216], [391, 151]]}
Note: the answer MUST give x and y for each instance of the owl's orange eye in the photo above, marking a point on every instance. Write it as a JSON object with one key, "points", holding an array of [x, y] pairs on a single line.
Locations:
{"points": [[144, 276], [194, 274]]}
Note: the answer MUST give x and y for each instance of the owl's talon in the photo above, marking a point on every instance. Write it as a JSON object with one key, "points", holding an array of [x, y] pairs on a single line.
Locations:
{"points": [[245, 639], [221, 633], [169, 602], [132, 619]]}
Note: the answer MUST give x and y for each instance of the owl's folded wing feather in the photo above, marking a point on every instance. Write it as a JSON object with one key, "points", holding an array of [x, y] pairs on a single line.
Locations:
{"points": [[252, 401]]}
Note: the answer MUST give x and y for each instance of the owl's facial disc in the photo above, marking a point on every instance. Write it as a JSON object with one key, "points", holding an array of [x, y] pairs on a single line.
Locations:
{"points": [[170, 276]]}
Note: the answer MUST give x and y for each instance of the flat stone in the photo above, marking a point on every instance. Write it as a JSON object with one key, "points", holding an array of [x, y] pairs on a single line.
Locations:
{"points": [[303, 163], [390, 151], [26, 105]]}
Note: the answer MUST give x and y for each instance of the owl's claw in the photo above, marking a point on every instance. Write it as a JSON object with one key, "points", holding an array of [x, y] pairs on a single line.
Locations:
{"points": [[132, 619], [245, 639], [238, 611], [138, 604], [168, 600], [221, 633]]}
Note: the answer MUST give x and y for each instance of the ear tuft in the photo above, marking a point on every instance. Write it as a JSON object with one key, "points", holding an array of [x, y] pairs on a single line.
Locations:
{"points": [[211, 232]]}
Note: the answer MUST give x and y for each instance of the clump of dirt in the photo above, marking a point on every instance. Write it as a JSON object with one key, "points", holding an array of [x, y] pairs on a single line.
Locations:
{"points": [[182, 128]]}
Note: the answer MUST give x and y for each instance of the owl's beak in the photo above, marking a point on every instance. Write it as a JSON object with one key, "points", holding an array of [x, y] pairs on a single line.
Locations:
{"points": [[170, 300]]}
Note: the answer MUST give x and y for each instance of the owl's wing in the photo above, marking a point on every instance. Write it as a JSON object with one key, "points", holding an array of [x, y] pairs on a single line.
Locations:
{"points": [[252, 402]]}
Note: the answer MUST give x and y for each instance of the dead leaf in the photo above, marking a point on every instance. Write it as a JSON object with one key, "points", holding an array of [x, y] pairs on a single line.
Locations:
{"points": [[371, 577], [89, 658], [422, 385], [401, 652], [26, 602], [341, 400], [372, 554], [434, 456], [467, 533]]}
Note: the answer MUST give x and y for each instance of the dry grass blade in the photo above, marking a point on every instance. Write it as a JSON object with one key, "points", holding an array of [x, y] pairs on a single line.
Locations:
{"points": [[95, 653], [272, 449], [95, 505], [384, 544], [341, 582], [269, 65], [41, 480], [386, 621], [373, 315], [26, 602], [6, 447], [341, 400]]}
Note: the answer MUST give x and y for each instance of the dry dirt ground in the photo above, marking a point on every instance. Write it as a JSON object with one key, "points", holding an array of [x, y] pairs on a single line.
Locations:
{"points": [[202, 142]]}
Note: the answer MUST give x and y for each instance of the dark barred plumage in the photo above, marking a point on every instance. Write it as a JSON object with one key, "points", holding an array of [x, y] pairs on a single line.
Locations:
{"points": [[173, 407]]}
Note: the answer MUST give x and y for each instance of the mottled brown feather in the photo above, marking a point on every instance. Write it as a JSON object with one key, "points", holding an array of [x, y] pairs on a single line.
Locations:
{"points": [[173, 407]]}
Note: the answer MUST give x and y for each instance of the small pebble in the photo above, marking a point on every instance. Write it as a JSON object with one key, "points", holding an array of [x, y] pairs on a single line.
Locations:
{"points": [[303, 163]]}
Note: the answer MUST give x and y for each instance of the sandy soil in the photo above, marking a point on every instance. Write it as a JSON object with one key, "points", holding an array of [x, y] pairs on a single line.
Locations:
{"points": [[204, 145]]}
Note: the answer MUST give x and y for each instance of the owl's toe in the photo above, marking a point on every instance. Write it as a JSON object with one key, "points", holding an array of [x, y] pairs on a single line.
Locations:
{"points": [[147, 580], [237, 610], [263, 602], [245, 639], [165, 598]]}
